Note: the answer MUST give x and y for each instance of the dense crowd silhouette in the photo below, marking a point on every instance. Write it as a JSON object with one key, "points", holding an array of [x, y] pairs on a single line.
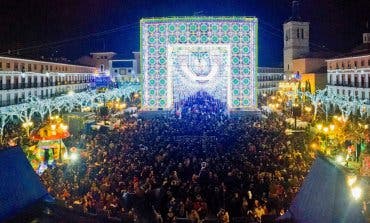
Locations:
{"points": [[195, 164]]}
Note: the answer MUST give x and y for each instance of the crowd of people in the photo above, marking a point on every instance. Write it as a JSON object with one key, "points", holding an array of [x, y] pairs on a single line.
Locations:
{"points": [[198, 164]]}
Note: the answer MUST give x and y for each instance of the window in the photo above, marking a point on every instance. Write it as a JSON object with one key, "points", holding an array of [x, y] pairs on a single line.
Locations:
{"points": [[46, 67], [35, 66], [302, 34], [1, 65], [15, 66], [8, 65], [297, 33], [362, 63], [29, 67], [368, 63], [355, 64], [51, 67]]}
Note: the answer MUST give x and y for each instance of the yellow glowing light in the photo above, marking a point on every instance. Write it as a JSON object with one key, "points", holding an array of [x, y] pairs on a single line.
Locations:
{"points": [[65, 156], [319, 127], [326, 129], [339, 159], [356, 192], [351, 180], [313, 145], [64, 127], [332, 127], [53, 127]]}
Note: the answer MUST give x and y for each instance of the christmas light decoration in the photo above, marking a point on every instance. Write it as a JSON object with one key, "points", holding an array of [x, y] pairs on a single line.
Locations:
{"points": [[184, 55]]}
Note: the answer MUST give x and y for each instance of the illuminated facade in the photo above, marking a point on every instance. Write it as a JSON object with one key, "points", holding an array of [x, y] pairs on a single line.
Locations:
{"points": [[181, 56], [21, 78], [268, 79]]}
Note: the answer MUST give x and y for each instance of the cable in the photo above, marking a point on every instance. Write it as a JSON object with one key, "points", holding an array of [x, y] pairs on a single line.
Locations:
{"points": [[60, 42]]}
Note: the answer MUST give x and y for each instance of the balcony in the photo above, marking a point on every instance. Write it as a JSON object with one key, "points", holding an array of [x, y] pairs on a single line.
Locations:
{"points": [[351, 84]]}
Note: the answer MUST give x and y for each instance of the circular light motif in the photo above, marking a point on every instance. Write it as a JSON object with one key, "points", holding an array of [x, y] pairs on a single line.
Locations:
{"points": [[225, 39], [162, 60], [162, 71], [151, 40], [246, 49], [193, 38], [162, 39], [151, 29], [235, 92], [172, 39], [225, 27], [246, 39], [236, 39], [151, 61], [151, 82], [171, 28], [193, 28], [235, 49], [182, 27], [204, 39], [246, 60], [246, 70], [214, 28], [246, 102], [151, 102], [162, 102], [235, 60], [235, 70], [162, 81], [246, 91], [151, 91], [162, 92], [246, 81], [214, 39], [246, 28], [182, 39], [236, 102], [204, 28], [235, 27], [162, 50], [235, 81], [151, 71], [162, 28], [151, 50]]}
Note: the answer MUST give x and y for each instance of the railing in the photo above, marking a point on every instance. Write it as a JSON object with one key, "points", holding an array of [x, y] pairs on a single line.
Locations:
{"points": [[36, 85], [351, 84]]}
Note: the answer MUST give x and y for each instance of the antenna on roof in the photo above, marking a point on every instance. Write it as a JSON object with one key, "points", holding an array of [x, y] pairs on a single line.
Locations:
{"points": [[295, 11]]}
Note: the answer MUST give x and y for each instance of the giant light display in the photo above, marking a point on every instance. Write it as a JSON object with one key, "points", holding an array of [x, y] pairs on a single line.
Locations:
{"points": [[181, 56]]}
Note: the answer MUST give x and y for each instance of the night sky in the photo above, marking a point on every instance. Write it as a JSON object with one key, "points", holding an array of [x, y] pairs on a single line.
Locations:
{"points": [[76, 27]]}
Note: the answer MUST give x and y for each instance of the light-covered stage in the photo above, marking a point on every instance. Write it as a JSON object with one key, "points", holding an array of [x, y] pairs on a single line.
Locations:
{"points": [[185, 55]]}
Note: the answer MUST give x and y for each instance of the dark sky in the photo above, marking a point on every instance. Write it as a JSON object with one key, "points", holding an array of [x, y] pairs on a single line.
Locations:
{"points": [[336, 24]]}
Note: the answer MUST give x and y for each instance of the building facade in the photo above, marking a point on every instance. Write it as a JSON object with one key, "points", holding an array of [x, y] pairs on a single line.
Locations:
{"points": [[349, 74], [20, 78], [312, 70], [124, 70], [268, 79]]}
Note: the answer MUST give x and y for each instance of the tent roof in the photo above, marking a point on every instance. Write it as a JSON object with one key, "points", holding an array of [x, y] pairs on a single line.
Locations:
{"points": [[324, 197], [20, 187]]}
